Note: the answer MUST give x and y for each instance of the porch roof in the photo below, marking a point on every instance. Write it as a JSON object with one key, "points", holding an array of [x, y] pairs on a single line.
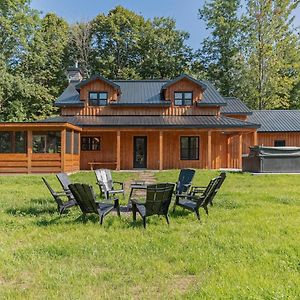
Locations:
{"points": [[154, 121]]}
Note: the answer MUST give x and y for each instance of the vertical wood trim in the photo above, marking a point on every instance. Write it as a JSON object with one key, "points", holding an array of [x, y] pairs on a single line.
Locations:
{"points": [[240, 151], [228, 152], [255, 138], [161, 157], [29, 150], [118, 150], [63, 149], [209, 149], [72, 149]]}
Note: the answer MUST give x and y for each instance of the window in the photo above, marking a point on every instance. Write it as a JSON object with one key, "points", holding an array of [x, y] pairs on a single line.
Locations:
{"points": [[189, 148], [279, 143], [49, 142], [183, 98], [98, 98], [13, 142], [90, 143]]}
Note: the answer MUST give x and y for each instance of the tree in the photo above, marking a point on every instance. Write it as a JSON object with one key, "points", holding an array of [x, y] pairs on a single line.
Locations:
{"points": [[271, 65], [163, 50], [220, 51], [80, 48]]}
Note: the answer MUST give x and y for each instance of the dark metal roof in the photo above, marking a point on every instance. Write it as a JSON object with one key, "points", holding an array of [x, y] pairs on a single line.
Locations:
{"points": [[276, 120], [154, 121], [183, 76], [70, 96], [97, 76], [235, 107], [141, 92]]}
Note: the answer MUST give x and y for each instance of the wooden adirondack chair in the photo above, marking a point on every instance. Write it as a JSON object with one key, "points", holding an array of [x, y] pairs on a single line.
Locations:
{"points": [[194, 202], [65, 181], [107, 185], [62, 206], [158, 199], [86, 199]]}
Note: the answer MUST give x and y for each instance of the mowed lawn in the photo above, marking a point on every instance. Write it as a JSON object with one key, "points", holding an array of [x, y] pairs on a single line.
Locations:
{"points": [[247, 248]]}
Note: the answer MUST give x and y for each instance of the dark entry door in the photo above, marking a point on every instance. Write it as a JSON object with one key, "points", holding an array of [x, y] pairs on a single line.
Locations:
{"points": [[140, 152]]}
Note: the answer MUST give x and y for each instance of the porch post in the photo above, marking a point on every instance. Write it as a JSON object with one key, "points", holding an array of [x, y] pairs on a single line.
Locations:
{"points": [[240, 151], [118, 150], [255, 142], [29, 150], [63, 149], [209, 149], [72, 148], [228, 152], [161, 155]]}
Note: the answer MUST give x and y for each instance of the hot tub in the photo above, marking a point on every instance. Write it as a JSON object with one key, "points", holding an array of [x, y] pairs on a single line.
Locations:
{"points": [[272, 160]]}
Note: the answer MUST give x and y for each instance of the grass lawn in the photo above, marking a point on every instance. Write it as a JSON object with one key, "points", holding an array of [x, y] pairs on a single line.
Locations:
{"points": [[248, 247]]}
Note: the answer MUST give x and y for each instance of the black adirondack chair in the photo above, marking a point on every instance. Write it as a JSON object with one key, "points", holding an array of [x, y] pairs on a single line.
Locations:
{"points": [[184, 183], [86, 199], [194, 202], [198, 190], [158, 199], [107, 185], [62, 206], [65, 181]]}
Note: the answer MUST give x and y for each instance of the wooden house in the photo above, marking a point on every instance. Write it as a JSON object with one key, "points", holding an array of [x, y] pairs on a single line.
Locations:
{"points": [[133, 124]]}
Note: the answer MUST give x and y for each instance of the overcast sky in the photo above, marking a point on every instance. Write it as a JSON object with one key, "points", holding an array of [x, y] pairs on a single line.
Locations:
{"points": [[185, 12]]}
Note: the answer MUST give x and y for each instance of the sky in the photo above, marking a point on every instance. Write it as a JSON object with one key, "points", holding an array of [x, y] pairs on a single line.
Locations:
{"points": [[185, 12]]}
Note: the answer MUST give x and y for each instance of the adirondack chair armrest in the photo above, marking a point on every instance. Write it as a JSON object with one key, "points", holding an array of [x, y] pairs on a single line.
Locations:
{"points": [[120, 183], [137, 202], [197, 189]]}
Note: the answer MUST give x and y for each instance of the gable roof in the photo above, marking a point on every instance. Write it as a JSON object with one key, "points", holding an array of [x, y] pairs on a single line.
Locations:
{"points": [[95, 77], [184, 76], [276, 120], [154, 121], [235, 107]]}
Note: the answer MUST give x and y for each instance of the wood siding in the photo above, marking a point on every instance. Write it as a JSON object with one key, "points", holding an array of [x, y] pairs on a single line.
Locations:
{"points": [[139, 111], [184, 85], [268, 139]]}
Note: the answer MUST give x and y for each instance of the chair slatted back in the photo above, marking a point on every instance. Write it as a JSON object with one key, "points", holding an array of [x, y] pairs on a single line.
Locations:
{"points": [[57, 199], [184, 180], [104, 178], [158, 198], [64, 180], [85, 197], [204, 199], [220, 180]]}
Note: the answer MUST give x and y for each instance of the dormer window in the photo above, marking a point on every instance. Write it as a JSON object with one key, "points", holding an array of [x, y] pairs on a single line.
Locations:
{"points": [[98, 98], [183, 98]]}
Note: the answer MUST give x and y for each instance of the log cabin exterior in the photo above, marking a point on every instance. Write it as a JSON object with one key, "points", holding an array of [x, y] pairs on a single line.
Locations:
{"points": [[136, 124]]}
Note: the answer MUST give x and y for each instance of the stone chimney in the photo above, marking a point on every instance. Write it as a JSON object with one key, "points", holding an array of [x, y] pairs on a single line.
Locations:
{"points": [[75, 73]]}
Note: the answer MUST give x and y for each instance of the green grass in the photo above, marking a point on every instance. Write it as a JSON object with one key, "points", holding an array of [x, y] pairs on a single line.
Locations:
{"points": [[248, 247]]}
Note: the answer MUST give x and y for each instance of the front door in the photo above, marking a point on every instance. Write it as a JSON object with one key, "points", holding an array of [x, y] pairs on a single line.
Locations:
{"points": [[140, 152]]}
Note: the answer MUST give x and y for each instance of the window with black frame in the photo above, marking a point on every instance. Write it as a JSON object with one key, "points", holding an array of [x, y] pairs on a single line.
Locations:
{"points": [[13, 142], [48, 142], [189, 148], [98, 98], [90, 143], [183, 98], [279, 143]]}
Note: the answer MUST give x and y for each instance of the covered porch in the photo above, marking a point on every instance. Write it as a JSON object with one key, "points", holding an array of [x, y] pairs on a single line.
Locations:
{"points": [[39, 148], [161, 149]]}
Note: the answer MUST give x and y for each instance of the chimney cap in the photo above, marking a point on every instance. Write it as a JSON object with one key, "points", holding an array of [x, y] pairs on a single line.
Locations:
{"points": [[75, 69]]}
